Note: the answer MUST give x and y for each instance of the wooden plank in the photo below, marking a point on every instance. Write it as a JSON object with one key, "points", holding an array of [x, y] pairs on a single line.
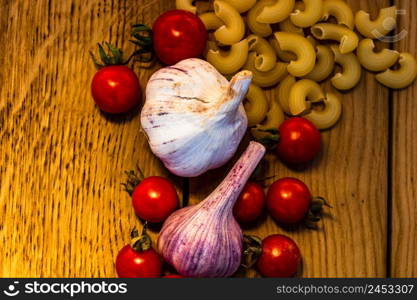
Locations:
{"points": [[404, 162], [62, 208], [62, 162], [351, 173]]}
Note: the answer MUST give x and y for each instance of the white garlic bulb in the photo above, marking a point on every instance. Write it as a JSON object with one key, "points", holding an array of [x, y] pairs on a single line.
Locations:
{"points": [[194, 117]]}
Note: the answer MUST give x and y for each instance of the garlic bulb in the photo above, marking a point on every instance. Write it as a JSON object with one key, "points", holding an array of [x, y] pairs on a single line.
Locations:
{"points": [[205, 240], [194, 117]]}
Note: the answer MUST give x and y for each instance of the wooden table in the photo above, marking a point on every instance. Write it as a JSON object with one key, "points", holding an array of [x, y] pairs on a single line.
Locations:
{"points": [[63, 212]]}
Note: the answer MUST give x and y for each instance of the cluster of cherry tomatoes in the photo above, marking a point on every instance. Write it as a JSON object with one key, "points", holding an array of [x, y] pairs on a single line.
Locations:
{"points": [[153, 199], [177, 35], [288, 200]]}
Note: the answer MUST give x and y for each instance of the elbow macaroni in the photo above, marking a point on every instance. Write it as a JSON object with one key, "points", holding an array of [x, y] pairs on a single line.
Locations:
{"points": [[186, 5], [288, 26], [347, 38], [403, 77], [284, 89], [312, 40], [211, 21], [260, 51], [228, 62], [266, 58], [311, 14], [351, 73], [261, 29], [276, 12], [302, 48], [380, 27], [300, 92], [265, 79], [256, 106], [324, 64], [273, 120], [375, 61], [241, 5], [340, 10], [212, 45], [233, 29], [282, 55], [326, 118]]}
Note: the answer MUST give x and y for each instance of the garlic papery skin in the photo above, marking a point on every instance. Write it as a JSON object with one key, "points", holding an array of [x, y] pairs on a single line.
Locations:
{"points": [[205, 240], [193, 117]]}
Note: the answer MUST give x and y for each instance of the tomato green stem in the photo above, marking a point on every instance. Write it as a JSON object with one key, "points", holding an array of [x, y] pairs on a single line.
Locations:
{"points": [[271, 140], [113, 57], [133, 179], [140, 242], [252, 250], [142, 38], [314, 214]]}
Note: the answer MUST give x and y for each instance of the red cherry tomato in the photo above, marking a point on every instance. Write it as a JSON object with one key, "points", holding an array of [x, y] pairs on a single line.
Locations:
{"points": [[288, 200], [173, 276], [154, 199], [280, 257], [115, 89], [299, 141], [177, 35], [133, 264], [250, 203]]}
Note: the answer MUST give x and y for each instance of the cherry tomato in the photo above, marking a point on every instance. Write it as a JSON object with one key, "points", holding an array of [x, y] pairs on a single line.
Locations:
{"points": [[288, 200], [299, 141], [280, 257], [154, 199], [116, 89], [133, 264], [250, 203], [173, 276], [177, 35]]}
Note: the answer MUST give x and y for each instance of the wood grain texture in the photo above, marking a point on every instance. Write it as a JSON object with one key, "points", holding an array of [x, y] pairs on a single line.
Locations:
{"points": [[61, 161], [404, 162], [62, 209], [351, 173]]}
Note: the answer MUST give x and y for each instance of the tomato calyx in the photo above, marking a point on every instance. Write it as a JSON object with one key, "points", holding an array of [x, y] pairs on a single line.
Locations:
{"points": [[258, 175], [141, 242], [141, 37], [114, 56], [270, 141], [133, 179], [252, 250], [315, 211]]}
